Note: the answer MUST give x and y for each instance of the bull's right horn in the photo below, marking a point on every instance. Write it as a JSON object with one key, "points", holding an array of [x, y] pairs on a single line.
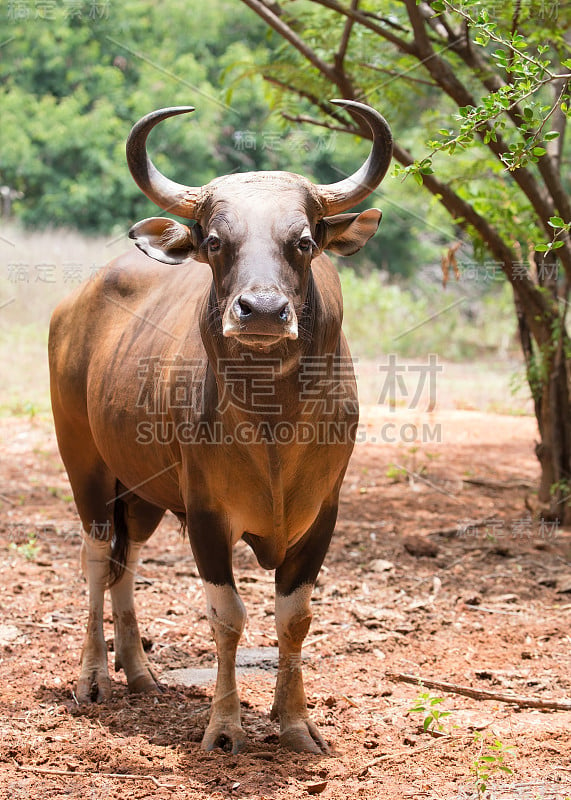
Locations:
{"points": [[170, 196]]}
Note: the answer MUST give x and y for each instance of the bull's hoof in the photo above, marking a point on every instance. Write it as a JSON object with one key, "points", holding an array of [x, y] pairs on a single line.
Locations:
{"points": [[304, 737], [144, 683], [94, 687], [226, 735]]}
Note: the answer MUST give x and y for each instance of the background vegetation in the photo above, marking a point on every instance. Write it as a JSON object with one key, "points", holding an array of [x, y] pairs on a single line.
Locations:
{"points": [[74, 76]]}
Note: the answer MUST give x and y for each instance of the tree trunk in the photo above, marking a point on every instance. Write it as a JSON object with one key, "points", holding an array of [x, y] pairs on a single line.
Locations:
{"points": [[548, 377]]}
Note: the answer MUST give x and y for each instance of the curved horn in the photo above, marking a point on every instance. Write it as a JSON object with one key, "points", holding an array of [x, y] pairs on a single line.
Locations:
{"points": [[345, 194], [170, 196]]}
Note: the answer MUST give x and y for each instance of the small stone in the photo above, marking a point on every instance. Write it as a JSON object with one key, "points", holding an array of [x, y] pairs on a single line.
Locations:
{"points": [[504, 598], [8, 634], [381, 565], [316, 788], [564, 584]]}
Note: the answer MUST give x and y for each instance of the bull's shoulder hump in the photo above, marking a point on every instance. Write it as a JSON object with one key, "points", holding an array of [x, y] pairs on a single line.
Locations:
{"points": [[135, 275], [122, 289]]}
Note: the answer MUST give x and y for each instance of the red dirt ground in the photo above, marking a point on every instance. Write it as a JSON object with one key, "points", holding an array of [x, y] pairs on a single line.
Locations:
{"points": [[481, 597]]}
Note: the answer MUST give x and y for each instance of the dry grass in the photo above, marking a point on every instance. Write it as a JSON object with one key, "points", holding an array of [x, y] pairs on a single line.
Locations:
{"points": [[36, 271]]}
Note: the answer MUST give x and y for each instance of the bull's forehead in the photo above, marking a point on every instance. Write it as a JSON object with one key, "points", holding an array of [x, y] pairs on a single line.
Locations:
{"points": [[272, 196]]}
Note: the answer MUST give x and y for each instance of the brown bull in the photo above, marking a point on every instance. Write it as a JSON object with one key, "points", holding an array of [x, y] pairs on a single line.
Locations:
{"points": [[218, 385]]}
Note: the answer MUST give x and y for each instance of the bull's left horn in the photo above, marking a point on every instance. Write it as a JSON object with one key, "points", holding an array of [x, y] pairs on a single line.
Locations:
{"points": [[345, 194], [170, 196]]}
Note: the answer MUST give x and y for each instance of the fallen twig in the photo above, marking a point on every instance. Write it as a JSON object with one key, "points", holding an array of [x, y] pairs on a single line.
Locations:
{"points": [[124, 776], [448, 533], [487, 610], [316, 639], [497, 484], [5, 499], [480, 694], [399, 754]]}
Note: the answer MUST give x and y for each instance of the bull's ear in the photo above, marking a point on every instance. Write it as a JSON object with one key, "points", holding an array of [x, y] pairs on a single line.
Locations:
{"points": [[347, 233], [166, 240]]}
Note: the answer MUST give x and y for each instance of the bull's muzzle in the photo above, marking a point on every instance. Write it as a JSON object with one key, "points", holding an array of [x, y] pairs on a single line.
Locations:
{"points": [[260, 318]]}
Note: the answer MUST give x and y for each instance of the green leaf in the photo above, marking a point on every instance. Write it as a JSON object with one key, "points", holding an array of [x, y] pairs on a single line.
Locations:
{"points": [[556, 222], [539, 151]]}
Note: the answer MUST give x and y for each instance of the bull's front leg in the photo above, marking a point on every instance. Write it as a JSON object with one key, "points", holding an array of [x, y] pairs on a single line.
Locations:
{"points": [[212, 548], [295, 580], [94, 683]]}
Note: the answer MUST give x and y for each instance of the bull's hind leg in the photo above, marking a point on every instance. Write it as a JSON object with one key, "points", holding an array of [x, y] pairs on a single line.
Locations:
{"points": [[295, 579], [140, 520], [212, 548]]}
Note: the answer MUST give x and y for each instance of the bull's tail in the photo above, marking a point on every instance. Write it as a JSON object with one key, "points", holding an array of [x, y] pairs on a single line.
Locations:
{"points": [[120, 541]]}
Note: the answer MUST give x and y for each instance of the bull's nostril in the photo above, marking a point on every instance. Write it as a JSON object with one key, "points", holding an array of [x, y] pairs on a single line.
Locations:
{"points": [[244, 308], [262, 308]]}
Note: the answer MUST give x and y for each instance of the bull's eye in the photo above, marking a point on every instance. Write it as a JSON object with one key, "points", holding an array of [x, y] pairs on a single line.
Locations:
{"points": [[306, 244], [213, 243]]}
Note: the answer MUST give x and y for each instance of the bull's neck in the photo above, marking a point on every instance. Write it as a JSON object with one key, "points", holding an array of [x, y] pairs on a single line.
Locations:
{"points": [[272, 380]]}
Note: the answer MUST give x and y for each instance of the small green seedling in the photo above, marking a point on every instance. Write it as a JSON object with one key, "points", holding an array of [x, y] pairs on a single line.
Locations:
{"points": [[490, 760], [29, 549], [395, 473], [427, 704]]}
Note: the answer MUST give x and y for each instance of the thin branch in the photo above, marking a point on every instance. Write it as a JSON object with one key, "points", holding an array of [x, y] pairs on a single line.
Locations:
{"points": [[480, 694], [391, 23], [342, 51], [302, 118], [364, 20], [280, 27], [401, 75], [452, 34], [316, 101], [117, 775]]}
